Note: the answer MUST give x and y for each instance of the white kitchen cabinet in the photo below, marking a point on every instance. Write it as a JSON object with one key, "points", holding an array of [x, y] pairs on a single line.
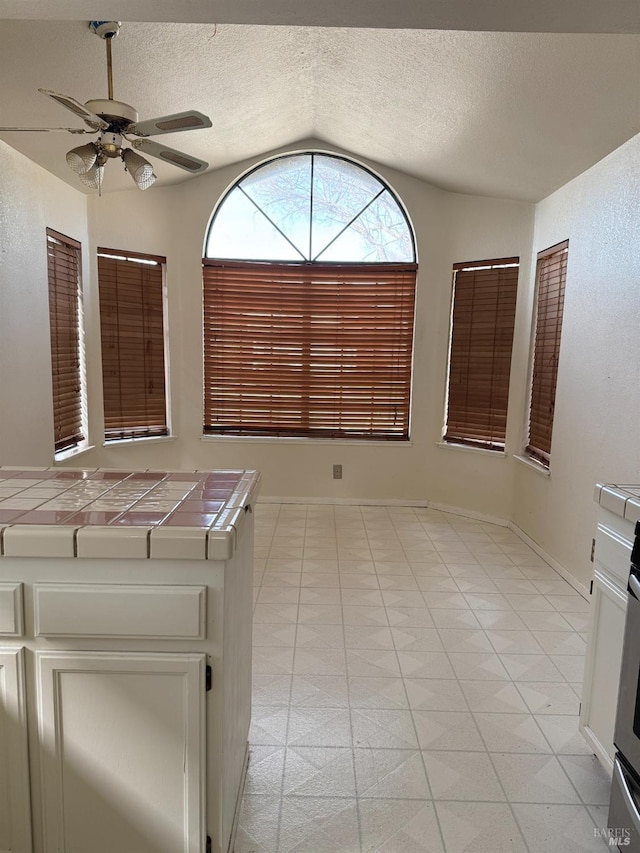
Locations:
{"points": [[125, 674], [15, 815], [122, 750], [617, 513]]}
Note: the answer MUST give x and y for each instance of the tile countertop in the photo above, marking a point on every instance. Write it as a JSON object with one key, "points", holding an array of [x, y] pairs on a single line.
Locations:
{"points": [[54, 512], [622, 500]]}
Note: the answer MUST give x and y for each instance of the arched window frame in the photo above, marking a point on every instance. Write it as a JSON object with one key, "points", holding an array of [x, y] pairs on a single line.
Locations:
{"points": [[308, 348]]}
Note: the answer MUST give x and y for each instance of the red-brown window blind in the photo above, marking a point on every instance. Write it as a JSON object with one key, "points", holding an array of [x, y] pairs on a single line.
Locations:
{"points": [[308, 349], [551, 273], [65, 319], [133, 344], [483, 317]]}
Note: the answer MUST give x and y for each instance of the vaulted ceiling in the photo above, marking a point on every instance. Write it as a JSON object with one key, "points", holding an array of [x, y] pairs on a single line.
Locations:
{"points": [[511, 114]]}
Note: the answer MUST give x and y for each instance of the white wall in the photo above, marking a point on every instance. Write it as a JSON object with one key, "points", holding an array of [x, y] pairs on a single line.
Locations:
{"points": [[31, 200], [598, 401], [595, 432], [449, 228]]}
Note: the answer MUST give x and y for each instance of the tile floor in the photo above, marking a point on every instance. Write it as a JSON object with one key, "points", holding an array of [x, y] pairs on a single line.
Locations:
{"points": [[416, 686]]}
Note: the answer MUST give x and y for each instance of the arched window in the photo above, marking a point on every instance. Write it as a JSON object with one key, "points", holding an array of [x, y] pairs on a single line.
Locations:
{"points": [[309, 291]]}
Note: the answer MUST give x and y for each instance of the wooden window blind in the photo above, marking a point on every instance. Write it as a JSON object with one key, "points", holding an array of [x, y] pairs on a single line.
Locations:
{"points": [[551, 273], [133, 344], [65, 320], [309, 349], [483, 318]]}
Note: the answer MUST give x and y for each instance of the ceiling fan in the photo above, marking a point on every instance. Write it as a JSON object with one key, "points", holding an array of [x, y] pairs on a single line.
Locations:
{"points": [[115, 122]]}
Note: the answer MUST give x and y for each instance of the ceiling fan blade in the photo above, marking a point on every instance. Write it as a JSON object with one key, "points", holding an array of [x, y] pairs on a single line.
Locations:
{"points": [[94, 121], [170, 155], [45, 129], [176, 123]]}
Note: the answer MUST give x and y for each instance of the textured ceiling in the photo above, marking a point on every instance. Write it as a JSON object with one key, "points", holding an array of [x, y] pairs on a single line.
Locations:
{"points": [[502, 114]]}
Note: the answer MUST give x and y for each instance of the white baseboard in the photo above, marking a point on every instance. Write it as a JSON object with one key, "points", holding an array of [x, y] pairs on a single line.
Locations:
{"points": [[270, 499], [469, 513], [574, 582]]}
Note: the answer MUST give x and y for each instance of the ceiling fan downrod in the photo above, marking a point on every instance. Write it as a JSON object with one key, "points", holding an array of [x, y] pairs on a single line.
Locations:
{"points": [[107, 30]]}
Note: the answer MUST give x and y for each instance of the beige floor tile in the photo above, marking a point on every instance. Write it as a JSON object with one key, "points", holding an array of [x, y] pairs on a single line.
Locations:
{"points": [[589, 778], [319, 691], [479, 828], [319, 637], [403, 826], [319, 825], [372, 662], [319, 727], [258, 825], [516, 733], [410, 617], [553, 828], [493, 697], [460, 640], [534, 779], [319, 772], [434, 694], [446, 730], [462, 776], [545, 697], [390, 773], [377, 692], [383, 729], [320, 595], [417, 639], [367, 637], [563, 734], [319, 662], [425, 665], [280, 634], [476, 667]]}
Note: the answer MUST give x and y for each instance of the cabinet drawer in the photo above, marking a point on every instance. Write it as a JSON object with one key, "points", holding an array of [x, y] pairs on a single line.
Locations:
{"points": [[613, 551], [11, 623], [109, 610]]}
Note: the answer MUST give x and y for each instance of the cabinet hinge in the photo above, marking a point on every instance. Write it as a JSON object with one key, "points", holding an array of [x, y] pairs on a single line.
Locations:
{"points": [[593, 550], [591, 588], [208, 847], [208, 679]]}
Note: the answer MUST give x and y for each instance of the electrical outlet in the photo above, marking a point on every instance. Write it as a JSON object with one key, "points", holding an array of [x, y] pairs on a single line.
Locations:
{"points": [[337, 472]]}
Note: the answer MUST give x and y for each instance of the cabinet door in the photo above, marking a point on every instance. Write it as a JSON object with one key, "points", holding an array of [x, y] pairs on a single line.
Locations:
{"points": [[15, 814], [602, 666], [122, 745]]}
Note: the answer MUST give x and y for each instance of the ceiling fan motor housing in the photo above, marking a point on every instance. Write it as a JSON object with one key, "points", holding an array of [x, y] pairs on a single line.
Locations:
{"points": [[118, 114]]}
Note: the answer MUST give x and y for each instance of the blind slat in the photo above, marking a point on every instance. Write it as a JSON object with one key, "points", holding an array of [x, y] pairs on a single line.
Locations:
{"points": [[308, 350], [551, 274], [483, 318], [63, 271], [132, 334]]}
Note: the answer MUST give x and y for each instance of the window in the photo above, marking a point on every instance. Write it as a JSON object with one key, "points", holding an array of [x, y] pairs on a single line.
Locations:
{"points": [[67, 345], [133, 344], [483, 317], [551, 273], [309, 292]]}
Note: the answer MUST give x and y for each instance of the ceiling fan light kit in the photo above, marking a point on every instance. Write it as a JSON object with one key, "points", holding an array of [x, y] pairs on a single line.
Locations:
{"points": [[115, 122]]}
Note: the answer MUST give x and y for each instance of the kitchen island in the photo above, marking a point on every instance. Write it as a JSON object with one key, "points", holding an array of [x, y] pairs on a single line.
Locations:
{"points": [[125, 658]]}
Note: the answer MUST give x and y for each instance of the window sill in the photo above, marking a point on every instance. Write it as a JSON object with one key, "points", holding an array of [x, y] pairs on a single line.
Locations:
{"points": [[71, 453], [301, 440], [531, 463], [500, 454], [153, 439]]}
